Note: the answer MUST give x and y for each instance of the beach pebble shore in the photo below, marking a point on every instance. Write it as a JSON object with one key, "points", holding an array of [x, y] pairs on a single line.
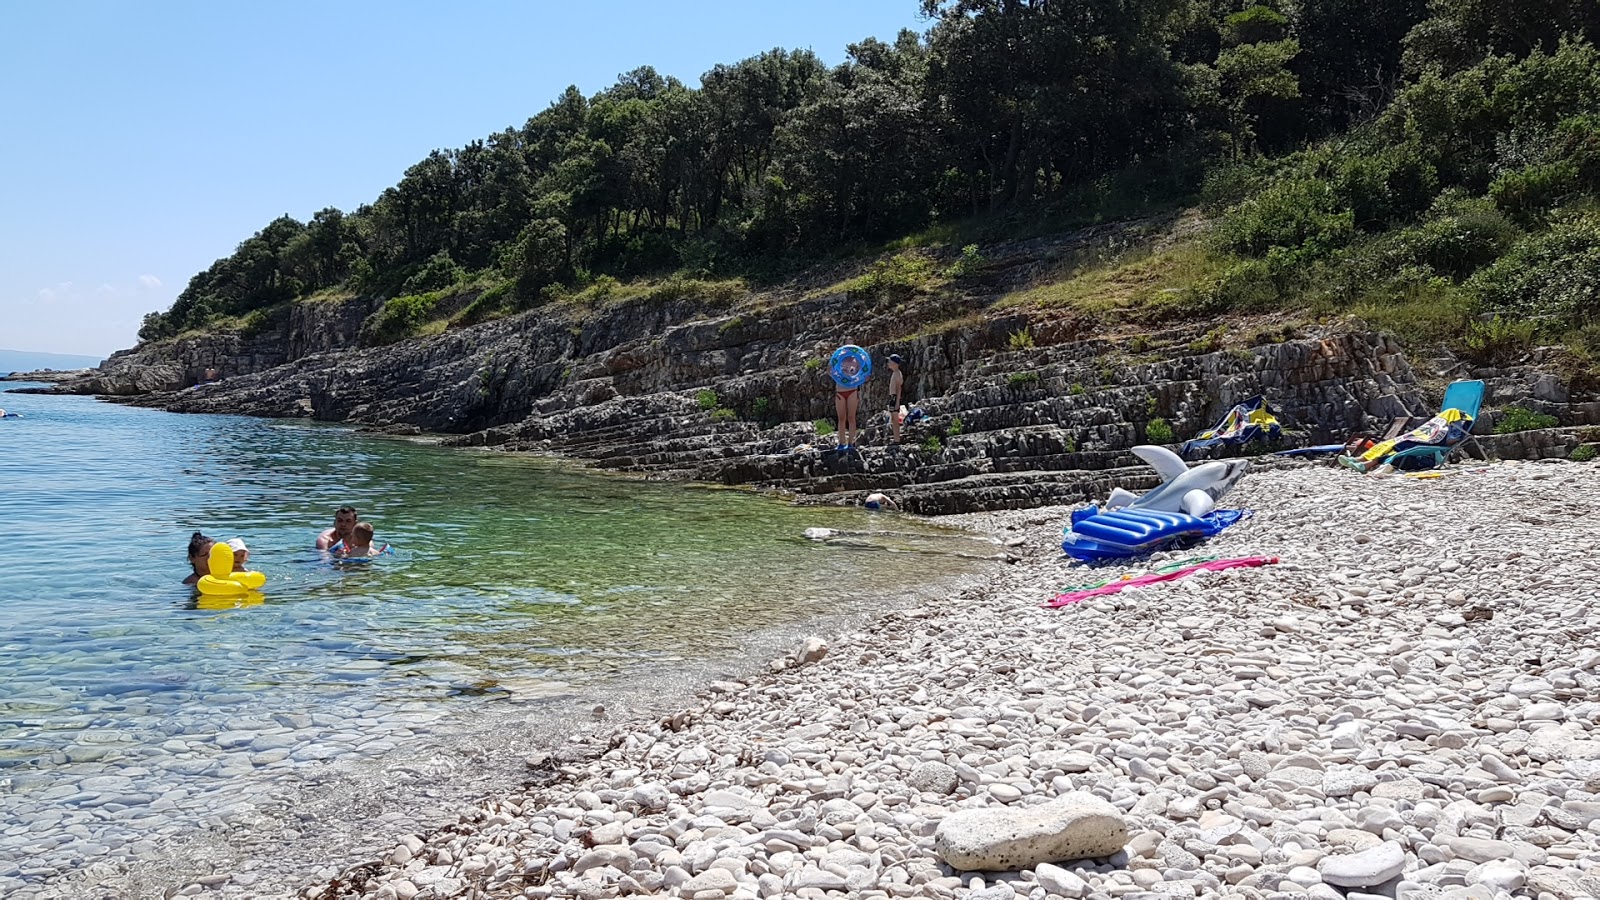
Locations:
{"points": [[1406, 706]]}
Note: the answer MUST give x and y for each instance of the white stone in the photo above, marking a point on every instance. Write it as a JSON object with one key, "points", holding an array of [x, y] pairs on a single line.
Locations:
{"points": [[1078, 825]]}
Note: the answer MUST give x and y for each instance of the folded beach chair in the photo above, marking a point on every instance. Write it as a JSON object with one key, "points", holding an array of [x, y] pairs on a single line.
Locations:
{"points": [[1252, 420]]}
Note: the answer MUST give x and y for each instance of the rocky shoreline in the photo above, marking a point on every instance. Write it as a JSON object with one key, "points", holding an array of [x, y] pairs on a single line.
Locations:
{"points": [[1405, 707]]}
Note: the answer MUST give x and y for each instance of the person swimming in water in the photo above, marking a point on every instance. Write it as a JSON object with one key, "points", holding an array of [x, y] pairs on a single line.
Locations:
{"points": [[344, 523], [878, 501], [360, 543], [199, 557]]}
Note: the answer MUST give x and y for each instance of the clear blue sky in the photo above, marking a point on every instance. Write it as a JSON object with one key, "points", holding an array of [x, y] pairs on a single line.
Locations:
{"points": [[142, 141]]}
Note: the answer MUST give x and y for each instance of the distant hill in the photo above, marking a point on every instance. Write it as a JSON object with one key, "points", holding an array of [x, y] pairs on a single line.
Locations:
{"points": [[29, 361]]}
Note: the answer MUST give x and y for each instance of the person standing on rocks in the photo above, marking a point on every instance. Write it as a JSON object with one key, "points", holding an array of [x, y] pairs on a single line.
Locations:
{"points": [[846, 403], [897, 381], [344, 526]]}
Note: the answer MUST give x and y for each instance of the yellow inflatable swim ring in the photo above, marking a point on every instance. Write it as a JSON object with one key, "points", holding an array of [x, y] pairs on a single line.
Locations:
{"points": [[223, 580]]}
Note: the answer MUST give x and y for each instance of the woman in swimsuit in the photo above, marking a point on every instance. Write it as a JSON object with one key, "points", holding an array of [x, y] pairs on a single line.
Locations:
{"points": [[845, 402]]}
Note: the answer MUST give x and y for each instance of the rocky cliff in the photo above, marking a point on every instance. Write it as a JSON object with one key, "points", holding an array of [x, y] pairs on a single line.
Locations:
{"points": [[1024, 406]]}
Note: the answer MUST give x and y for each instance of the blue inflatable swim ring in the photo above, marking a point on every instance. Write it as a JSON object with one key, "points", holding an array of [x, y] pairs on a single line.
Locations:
{"points": [[863, 366]]}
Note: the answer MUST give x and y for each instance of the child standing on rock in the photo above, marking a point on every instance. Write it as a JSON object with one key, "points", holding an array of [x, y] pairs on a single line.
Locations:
{"points": [[897, 381]]}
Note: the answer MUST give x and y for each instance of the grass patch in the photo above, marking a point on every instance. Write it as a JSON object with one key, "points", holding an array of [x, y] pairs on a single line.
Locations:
{"points": [[815, 364], [824, 427], [933, 444], [1584, 453], [1020, 340], [1023, 379], [723, 414], [1137, 280], [899, 277]]}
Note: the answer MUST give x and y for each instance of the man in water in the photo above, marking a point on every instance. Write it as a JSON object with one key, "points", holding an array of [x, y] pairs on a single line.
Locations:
{"points": [[879, 501], [344, 526]]}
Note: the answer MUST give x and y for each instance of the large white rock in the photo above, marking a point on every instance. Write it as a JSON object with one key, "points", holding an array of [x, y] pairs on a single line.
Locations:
{"points": [[1364, 869], [1074, 826]]}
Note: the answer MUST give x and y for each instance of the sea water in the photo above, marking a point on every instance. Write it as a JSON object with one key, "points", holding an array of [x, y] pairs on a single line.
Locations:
{"points": [[512, 578]]}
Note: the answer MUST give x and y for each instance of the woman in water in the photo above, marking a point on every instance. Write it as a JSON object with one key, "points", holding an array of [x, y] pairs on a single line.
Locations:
{"points": [[199, 556]]}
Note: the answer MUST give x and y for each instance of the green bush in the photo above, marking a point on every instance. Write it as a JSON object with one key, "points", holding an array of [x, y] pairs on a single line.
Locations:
{"points": [[440, 271], [898, 277], [968, 264], [1293, 213], [955, 427], [1021, 339], [1461, 236], [1584, 453], [824, 427], [490, 304], [815, 364], [678, 288], [1498, 340], [1158, 431], [1552, 277], [933, 444], [723, 414], [1023, 379], [1518, 419], [1527, 194], [1225, 186], [707, 399], [400, 317], [1515, 419], [1077, 389], [1385, 186]]}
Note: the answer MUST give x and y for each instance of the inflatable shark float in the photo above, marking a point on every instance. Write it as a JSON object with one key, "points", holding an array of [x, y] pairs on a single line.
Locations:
{"points": [[1194, 491], [1182, 508]]}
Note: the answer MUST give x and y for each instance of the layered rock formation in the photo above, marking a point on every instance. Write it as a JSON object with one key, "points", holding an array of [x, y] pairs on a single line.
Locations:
{"points": [[1024, 406]]}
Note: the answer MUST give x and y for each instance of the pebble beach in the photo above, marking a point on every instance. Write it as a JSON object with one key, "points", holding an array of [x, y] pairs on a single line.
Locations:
{"points": [[1404, 706]]}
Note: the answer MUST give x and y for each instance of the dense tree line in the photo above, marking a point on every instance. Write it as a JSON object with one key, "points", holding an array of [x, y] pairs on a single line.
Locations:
{"points": [[1000, 106]]}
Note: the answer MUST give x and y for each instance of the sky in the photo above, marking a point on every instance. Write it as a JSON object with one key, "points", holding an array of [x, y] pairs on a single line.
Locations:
{"points": [[143, 141]]}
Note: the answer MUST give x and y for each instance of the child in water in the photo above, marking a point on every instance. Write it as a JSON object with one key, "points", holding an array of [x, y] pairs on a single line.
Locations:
{"points": [[360, 543], [241, 555]]}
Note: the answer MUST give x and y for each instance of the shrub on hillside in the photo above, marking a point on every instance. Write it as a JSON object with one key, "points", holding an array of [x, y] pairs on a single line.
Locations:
{"points": [[1528, 193], [400, 318], [1460, 236], [897, 277], [440, 271], [1298, 212], [1498, 340], [1552, 278], [1384, 186], [490, 304]]}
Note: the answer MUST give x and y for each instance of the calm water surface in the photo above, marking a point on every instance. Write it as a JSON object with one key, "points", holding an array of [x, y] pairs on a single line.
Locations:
{"points": [[513, 575]]}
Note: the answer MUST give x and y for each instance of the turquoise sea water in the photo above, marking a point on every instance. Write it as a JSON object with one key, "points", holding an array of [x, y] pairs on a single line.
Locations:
{"points": [[514, 574]]}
